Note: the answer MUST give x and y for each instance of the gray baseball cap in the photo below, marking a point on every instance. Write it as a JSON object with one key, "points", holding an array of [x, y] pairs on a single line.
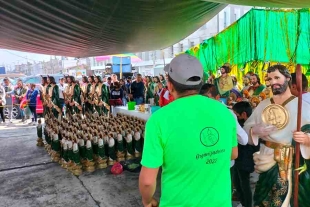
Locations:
{"points": [[183, 67]]}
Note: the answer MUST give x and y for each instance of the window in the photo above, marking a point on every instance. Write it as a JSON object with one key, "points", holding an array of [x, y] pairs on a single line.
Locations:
{"points": [[181, 47], [192, 44], [147, 56], [225, 19], [172, 52]]}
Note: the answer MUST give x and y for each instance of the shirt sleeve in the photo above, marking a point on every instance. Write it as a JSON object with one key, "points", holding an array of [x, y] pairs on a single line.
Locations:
{"points": [[33, 98], [234, 132], [241, 134], [152, 156], [249, 123]]}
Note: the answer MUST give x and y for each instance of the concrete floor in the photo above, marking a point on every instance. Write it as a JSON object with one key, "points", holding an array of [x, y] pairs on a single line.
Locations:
{"points": [[28, 178]]}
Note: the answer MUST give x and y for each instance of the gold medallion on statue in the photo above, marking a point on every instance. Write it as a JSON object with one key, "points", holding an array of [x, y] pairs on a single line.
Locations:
{"points": [[276, 115]]}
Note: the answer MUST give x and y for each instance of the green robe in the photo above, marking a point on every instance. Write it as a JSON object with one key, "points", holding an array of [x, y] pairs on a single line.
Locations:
{"points": [[150, 91], [89, 153], [112, 153], [120, 146], [56, 145], [104, 96], [70, 153], [258, 90], [95, 148], [56, 101], [129, 147], [39, 131], [89, 107], [75, 98], [82, 150], [101, 150], [75, 154], [138, 145], [45, 135]]}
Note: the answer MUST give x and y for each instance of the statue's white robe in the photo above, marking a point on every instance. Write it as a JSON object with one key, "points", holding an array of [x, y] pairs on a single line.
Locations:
{"points": [[264, 158]]}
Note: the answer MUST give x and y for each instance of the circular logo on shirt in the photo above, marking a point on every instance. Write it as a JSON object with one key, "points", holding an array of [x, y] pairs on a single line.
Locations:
{"points": [[209, 136]]}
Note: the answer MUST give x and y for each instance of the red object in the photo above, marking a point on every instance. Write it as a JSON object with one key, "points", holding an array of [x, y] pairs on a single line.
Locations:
{"points": [[117, 169], [162, 100], [116, 102]]}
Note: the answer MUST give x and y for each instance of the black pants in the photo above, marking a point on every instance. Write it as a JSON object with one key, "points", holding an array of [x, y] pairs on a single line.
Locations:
{"points": [[34, 113], [242, 184], [2, 112]]}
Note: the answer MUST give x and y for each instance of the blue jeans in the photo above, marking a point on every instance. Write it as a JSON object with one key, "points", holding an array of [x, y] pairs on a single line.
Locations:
{"points": [[124, 101], [138, 100]]}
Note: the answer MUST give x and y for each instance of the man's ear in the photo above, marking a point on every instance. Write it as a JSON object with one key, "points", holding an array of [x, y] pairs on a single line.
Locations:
{"points": [[170, 87], [244, 115]]}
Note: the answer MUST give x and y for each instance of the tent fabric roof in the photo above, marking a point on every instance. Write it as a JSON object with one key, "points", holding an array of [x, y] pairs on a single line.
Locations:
{"points": [[260, 35], [99, 27], [80, 28]]}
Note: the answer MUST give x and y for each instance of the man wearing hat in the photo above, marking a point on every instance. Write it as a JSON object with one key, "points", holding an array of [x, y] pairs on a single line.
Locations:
{"points": [[188, 139]]}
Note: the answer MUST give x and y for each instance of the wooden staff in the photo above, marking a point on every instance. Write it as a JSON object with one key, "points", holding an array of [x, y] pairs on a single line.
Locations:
{"points": [[297, 145]]}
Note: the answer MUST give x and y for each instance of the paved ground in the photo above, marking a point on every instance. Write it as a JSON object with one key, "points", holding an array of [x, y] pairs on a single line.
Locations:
{"points": [[28, 178]]}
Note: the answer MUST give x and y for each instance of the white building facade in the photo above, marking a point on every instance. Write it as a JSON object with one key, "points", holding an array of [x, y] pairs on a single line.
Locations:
{"points": [[154, 61]]}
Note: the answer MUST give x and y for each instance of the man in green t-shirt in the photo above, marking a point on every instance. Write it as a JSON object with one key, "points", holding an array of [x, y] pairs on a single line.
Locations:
{"points": [[193, 139]]}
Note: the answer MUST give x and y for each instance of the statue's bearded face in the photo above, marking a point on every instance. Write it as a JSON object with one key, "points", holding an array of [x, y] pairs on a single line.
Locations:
{"points": [[254, 80], [246, 81], [223, 71], [278, 82]]}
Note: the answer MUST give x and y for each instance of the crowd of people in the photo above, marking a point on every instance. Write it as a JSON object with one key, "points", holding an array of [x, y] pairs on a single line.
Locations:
{"points": [[26, 94], [90, 94]]}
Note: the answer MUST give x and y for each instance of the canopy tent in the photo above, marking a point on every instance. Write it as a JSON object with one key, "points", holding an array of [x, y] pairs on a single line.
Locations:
{"points": [[261, 36], [99, 27]]}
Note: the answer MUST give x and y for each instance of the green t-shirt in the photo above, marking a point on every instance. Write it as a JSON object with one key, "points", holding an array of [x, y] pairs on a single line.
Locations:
{"points": [[192, 139]]}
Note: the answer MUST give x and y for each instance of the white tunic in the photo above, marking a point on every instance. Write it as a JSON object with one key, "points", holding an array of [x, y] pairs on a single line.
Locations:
{"points": [[264, 159]]}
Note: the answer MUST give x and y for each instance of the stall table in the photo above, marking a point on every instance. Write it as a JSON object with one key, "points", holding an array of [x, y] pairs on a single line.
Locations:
{"points": [[124, 110]]}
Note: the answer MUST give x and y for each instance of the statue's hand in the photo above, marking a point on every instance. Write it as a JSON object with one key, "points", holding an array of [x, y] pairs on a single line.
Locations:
{"points": [[263, 131], [301, 138]]}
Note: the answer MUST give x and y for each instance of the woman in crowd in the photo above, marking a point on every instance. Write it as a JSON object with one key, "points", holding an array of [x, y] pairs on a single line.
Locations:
{"points": [[32, 102], [101, 96], [150, 88], [157, 93], [123, 87], [156, 81], [117, 93], [162, 80]]}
